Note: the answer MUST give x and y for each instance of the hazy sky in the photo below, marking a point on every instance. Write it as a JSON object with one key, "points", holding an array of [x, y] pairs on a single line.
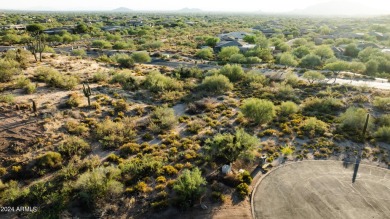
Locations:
{"points": [[208, 5]]}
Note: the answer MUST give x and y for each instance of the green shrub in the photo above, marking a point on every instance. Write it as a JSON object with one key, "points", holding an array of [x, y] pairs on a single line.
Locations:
{"points": [[55, 79], [230, 147], [288, 108], [73, 145], [120, 105], [196, 126], [156, 82], [22, 81], [74, 100], [143, 166], [141, 57], [113, 158], [127, 81], [50, 160], [12, 191], [30, 88], [188, 187], [383, 134], [255, 77], [161, 179], [147, 137], [314, 126], [354, 119], [206, 53], [123, 60], [245, 177], [382, 103], [242, 190], [384, 120], [164, 117], [100, 76], [77, 128], [98, 184], [170, 170], [8, 68], [233, 72], [142, 187], [193, 72], [216, 84], [313, 76], [237, 58], [101, 44], [320, 106], [128, 149], [114, 134], [7, 98], [258, 110], [79, 52]]}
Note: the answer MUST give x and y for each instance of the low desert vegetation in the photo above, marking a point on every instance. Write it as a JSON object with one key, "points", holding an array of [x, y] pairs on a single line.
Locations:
{"points": [[147, 117]]}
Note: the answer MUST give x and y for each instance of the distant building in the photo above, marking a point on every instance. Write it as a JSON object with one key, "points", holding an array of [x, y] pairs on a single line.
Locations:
{"points": [[136, 23], [13, 26], [112, 28], [243, 46], [378, 35], [58, 30], [268, 32], [232, 36], [338, 51]]}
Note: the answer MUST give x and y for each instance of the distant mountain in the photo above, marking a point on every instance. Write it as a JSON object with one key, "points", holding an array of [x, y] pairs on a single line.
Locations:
{"points": [[122, 9], [339, 8], [190, 10]]}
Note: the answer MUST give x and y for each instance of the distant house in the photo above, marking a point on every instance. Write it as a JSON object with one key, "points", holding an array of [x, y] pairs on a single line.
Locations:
{"points": [[58, 30], [387, 51], [338, 51], [13, 27], [378, 35], [232, 36], [268, 32], [136, 23], [362, 46], [243, 46], [224, 44], [112, 28]]}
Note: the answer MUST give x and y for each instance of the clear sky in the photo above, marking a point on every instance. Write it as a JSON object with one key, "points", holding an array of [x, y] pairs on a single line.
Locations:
{"points": [[207, 5]]}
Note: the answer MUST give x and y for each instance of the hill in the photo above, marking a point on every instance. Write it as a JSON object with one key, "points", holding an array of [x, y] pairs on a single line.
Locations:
{"points": [[190, 10], [122, 9]]}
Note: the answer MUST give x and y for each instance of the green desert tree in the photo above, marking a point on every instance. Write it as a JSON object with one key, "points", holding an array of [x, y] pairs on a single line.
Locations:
{"points": [[206, 53], [227, 52], [216, 84], [233, 72], [258, 110], [188, 187], [313, 76], [353, 120], [310, 61], [230, 147], [141, 57], [287, 59]]}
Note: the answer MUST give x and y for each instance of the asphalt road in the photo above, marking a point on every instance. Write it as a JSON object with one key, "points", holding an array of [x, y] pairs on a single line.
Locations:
{"points": [[323, 189]]}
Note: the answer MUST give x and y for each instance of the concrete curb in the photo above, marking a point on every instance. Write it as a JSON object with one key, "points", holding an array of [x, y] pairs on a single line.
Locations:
{"points": [[281, 166]]}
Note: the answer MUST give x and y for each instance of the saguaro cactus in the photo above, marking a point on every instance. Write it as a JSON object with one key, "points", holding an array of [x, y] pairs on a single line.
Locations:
{"points": [[87, 93], [34, 106], [365, 125]]}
